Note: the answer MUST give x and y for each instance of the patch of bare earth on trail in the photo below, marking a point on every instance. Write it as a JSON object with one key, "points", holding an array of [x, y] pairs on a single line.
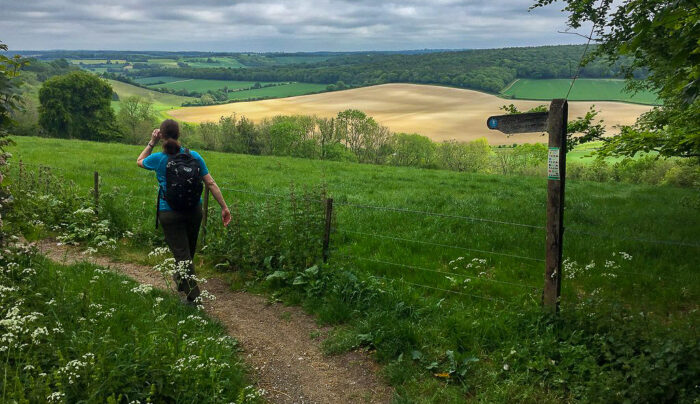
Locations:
{"points": [[277, 341]]}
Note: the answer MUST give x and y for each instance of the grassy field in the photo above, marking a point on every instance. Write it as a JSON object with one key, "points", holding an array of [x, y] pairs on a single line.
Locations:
{"points": [[615, 213], [227, 62], [157, 79], [201, 85], [96, 61], [204, 85], [458, 291], [281, 91], [440, 113], [583, 90], [162, 102]]}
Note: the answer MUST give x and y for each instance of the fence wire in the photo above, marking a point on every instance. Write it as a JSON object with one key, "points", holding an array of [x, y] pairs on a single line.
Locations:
{"points": [[637, 239], [436, 271], [493, 299], [427, 213], [440, 245]]}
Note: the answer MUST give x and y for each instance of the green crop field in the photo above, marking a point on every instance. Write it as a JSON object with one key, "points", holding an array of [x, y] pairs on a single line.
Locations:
{"points": [[96, 61], [583, 90], [285, 90], [156, 79], [228, 62], [201, 85], [161, 101]]}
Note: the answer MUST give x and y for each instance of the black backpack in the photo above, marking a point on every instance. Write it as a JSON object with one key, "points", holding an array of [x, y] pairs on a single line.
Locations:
{"points": [[183, 183]]}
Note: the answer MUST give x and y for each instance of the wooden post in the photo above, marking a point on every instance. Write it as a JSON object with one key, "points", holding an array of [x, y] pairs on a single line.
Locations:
{"points": [[97, 191], [327, 229], [205, 215], [556, 176]]}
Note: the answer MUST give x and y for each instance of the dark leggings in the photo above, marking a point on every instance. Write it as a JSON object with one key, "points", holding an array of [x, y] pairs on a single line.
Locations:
{"points": [[181, 230]]}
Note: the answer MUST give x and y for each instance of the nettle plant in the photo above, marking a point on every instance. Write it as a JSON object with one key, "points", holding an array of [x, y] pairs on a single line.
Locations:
{"points": [[273, 235], [46, 204]]}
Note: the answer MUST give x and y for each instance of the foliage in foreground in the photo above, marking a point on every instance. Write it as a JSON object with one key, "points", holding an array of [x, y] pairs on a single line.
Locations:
{"points": [[80, 333], [661, 36]]}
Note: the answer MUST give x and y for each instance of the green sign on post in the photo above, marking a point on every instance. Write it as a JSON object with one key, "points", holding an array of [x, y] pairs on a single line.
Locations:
{"points": [[553, 164]]}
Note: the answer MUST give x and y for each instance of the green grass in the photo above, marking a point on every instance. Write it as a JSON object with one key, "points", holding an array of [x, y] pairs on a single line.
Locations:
{"points": [[600, 345], [200, 85], [620, 211], [155, 79], [583, 90], [285, 90], [95, 338], [162, 102], [164, 62], [96, 61], [203, 86], [227, 62]]}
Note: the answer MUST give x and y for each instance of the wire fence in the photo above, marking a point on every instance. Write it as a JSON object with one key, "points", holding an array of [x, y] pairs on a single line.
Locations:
{"points": [[342, 246]]}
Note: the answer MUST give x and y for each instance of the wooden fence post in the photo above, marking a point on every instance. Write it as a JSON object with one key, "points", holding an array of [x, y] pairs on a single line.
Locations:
{"points": [[205, 215], [327, 228], [556, 177], [97, 192]]}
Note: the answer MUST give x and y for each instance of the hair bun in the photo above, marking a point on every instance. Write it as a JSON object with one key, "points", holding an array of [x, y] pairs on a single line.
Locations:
{"points": [[171, 146]]}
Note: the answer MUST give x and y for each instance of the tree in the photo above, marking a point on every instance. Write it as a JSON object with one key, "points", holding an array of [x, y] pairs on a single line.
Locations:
{"points": [[10, 101], [661, 36], [460, 156], [77, 105], [10, 97], [412, 150], [135, 118]]}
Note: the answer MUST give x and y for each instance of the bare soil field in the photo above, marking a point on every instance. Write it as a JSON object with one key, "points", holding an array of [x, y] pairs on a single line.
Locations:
{"points": [[440, 113]]}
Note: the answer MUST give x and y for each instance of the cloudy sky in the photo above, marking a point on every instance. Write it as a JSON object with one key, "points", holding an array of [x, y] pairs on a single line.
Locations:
{"points": [[278, 25]]}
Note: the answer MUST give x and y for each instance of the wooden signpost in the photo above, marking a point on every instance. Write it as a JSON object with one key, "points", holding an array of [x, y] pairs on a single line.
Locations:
{"points": [[554, 122]]}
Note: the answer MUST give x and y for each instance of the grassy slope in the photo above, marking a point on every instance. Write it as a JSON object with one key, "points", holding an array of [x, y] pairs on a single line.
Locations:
{"points": [[161, 101], [220, 62], [285, 90], [437, 323], [149, 80], [583, 90], [204, 85], [618, 210]]}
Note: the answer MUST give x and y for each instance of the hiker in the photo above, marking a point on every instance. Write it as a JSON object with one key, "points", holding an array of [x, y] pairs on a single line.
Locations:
{"points": [[180, 173]]}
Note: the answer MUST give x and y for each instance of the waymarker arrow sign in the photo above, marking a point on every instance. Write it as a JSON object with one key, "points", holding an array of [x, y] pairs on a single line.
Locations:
{"points": [[519, 123]]}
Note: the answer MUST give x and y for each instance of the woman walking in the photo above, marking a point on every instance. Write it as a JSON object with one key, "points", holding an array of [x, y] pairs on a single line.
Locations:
{"points": [[180, 173]]}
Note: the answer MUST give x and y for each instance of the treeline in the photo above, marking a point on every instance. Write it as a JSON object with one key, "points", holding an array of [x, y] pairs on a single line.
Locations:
{"points": [[354, 137], [488, 69], [43, 70]]}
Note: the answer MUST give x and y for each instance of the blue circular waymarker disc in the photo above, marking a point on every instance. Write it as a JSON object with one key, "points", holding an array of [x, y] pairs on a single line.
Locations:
{"points": [[492, 123]]}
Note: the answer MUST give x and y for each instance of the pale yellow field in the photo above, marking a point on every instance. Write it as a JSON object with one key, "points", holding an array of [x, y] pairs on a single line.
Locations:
{"points": [[440, 113]]}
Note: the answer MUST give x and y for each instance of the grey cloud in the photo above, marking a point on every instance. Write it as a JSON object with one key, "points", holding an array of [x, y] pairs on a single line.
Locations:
{"points": [[277, 25]]}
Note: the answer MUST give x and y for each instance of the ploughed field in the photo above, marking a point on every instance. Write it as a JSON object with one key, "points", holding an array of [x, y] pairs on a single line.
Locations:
{"points": [[440, 113]]}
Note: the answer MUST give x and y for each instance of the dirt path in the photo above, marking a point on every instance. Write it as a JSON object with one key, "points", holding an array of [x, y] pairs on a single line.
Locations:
{"points": [[277, 341]]}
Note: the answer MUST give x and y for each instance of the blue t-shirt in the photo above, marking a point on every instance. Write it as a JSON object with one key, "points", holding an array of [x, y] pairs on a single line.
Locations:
{"points": [[158, 161]]}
